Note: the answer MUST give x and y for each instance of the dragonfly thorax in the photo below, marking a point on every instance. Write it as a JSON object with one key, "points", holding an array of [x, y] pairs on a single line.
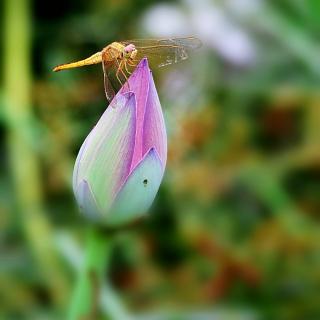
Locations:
{"points": [[117, 50]]}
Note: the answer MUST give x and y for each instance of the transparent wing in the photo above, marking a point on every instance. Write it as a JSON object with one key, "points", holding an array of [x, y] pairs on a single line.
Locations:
{"points": [[162, 52], [108, 87]]}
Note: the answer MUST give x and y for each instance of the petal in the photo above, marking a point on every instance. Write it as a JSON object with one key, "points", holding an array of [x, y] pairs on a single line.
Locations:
{"points": [[75, 178], [105, 159], [139, 85], [138, 192], [86, 200], [154, 130]]}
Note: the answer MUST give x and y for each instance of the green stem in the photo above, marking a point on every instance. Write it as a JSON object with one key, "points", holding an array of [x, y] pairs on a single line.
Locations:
{"points": [[86, 299]]}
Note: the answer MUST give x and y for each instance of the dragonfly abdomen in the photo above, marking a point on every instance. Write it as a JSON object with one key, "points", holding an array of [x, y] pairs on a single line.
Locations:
{"points": [[94, 59]]}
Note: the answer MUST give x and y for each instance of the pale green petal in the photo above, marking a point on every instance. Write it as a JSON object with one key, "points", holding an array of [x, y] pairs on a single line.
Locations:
{"points": [[105, 158], [87, 201], [138, 192]]}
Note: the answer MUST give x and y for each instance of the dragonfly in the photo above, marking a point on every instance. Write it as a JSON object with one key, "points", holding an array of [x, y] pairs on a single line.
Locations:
{"points": [[119, 59]]}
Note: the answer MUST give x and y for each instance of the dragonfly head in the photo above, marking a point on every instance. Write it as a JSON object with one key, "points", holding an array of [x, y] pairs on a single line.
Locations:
{"points": [[130, 51]]}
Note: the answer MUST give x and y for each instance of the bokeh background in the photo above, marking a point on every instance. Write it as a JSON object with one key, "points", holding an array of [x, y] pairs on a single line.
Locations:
{"points": [[234, 232]]}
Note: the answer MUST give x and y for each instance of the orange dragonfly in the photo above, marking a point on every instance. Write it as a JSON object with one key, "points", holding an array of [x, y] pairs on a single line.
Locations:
{"points": [[120, 58]]}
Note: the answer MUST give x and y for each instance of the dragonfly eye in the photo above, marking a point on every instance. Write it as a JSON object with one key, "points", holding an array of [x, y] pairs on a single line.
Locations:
{"points": [[129, 48]]}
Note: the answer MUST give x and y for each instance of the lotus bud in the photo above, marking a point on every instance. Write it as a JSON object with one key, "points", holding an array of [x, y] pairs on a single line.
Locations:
{"points": [[121, 163]]}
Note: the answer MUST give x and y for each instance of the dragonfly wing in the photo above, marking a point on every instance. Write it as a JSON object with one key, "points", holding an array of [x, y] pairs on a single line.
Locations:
{"points": [[162, 52], [189, 43], [115, 77], [108, 88], [162, 56]]}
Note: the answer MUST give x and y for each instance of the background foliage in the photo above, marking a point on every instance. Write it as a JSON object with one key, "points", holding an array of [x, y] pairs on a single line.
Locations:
{"points": [[234, 231]]}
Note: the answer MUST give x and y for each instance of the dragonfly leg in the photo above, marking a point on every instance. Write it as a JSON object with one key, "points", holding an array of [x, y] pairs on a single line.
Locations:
{"points": [[117, 72], [125, 76], [121, 66], [126, 67], [117, 76], [120, 70], [132, 63]]}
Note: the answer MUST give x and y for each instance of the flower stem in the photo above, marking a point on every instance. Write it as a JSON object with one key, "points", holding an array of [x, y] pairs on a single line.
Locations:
{"points": [[86, 298]]}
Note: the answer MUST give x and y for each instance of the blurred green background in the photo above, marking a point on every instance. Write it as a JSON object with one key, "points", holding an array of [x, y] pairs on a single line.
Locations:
{"points": [[234, 232]]}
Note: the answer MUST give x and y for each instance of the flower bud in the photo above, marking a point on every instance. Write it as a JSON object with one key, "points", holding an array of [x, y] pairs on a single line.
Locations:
{"points": [[121, 163]]}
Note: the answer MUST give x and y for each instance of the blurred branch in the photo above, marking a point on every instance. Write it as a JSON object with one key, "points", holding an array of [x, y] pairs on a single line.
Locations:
{"points": [[23, 161]]}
